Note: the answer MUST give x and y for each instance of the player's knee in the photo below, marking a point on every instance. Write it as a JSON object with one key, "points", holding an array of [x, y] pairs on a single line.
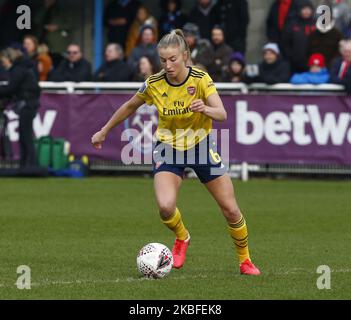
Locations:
{"points": [[166, 208], [232, 215]]}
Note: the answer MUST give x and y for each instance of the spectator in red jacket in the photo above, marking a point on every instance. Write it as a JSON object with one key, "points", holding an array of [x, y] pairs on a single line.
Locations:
{"points": [[295, 38], [280, 14]]}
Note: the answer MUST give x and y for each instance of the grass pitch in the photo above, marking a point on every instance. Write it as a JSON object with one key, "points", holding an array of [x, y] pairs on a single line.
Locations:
{"points": [[80, 239]]}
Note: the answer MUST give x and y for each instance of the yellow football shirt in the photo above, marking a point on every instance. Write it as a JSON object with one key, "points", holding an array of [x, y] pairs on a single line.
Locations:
{"points": [[178, 125]]}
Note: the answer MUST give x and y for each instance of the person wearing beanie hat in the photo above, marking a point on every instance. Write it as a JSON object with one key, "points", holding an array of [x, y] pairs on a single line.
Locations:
{"points": [[271, 53], [238, 57], [317, 74], [316, 60], [272, 70], [272, 47], [236, 68]]}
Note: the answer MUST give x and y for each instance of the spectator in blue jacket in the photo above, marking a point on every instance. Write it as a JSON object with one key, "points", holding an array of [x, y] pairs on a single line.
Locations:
{"points": [[317, 74]]}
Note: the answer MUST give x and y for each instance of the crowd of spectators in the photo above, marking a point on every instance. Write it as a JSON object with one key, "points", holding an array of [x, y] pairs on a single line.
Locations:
{"points": [[295, 51]]}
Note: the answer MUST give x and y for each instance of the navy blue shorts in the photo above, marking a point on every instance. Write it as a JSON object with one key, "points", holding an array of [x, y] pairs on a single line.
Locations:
{"points": [[203, 159]]}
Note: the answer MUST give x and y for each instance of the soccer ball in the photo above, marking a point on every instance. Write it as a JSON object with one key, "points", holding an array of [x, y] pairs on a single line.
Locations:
{"points": [[155, 261]]}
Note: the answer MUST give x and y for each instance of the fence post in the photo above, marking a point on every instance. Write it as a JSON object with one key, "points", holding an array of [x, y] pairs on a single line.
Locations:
{"points": [[245, 172]]}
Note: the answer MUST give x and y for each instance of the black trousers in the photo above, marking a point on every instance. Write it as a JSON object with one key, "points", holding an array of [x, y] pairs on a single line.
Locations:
{"points": [[26, 140]]}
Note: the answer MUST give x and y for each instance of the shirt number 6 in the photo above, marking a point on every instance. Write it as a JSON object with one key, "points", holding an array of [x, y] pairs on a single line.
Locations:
{"points": [[215, 156]]}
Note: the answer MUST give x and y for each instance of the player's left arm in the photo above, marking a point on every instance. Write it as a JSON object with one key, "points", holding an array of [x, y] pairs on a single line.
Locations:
{"points": [[213, 107]]}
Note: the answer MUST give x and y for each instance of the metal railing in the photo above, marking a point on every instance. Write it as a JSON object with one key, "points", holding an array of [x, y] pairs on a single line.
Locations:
{"points": [[235, 88], [242, 170]]}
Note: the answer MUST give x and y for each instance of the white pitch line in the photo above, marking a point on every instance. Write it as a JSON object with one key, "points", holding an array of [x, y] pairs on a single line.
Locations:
{"points": [[301, 270], [131, 279], [87, 281]]}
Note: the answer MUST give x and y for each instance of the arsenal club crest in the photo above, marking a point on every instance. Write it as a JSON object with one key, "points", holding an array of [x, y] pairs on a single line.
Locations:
{"points": [[191, 90]]}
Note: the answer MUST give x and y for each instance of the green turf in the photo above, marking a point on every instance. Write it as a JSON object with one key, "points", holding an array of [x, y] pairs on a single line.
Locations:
{"points": [[81, 237]]}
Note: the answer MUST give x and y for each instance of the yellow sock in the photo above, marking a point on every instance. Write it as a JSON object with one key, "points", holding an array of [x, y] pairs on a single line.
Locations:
{"points": [[175, 223], [238, 232]]}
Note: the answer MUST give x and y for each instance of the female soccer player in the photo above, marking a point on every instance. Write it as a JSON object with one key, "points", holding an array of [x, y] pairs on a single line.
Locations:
{"points": [[187, 101]]}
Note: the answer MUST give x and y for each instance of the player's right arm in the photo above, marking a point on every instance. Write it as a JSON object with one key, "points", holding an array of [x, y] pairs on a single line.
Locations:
{"points": [[127, 109]]}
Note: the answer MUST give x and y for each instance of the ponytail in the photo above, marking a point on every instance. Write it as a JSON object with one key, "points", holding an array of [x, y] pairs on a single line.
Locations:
{"points": [[175, 38]]}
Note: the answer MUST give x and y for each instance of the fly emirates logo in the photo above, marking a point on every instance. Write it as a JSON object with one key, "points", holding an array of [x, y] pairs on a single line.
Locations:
{"points": [[179, 109], [304, 125]]}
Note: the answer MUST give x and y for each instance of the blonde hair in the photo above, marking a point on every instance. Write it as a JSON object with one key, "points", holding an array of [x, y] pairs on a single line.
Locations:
{"points": [[43, 48], [175, 38], [11, 54]]}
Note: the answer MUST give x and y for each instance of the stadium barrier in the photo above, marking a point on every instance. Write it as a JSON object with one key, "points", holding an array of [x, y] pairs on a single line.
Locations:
{"points": [[279, 129]]}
